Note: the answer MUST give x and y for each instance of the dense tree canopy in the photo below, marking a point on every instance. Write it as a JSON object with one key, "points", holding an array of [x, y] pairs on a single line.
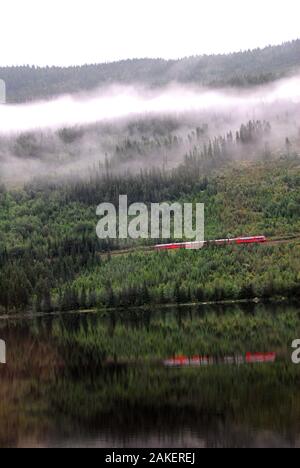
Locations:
{"points": [[51, 258]]}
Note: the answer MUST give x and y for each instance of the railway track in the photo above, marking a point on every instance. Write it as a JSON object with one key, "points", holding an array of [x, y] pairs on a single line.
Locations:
{"points": [[149, 249], [294, 240]]}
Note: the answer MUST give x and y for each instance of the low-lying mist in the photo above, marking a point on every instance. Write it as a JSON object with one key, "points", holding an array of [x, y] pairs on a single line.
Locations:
{"points": [[119, 102], [132, 128]]}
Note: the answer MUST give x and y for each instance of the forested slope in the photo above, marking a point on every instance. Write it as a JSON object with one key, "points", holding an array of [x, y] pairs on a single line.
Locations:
{"points": [[51, 258], [236, 69]]}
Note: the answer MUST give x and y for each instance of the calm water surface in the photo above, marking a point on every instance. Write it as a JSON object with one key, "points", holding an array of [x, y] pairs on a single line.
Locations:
{"points": [[87, 380]]}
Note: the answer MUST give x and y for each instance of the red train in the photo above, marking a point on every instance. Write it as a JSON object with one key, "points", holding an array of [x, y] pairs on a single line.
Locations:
{"points": [[241, 240], [199, 245]]}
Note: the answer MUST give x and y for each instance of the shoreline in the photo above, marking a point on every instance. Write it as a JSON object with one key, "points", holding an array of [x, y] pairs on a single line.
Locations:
{"points": [[32, 315]]}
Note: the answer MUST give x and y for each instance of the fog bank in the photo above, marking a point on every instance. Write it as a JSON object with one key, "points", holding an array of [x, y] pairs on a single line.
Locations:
{"points": [[119, 102]]}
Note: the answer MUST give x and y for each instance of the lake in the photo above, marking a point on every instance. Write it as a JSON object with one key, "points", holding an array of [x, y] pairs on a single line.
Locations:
{"points": [[181, 377]]}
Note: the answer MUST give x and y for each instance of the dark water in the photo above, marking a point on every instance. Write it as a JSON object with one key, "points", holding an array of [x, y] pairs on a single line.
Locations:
{"points": [[100, 381]]}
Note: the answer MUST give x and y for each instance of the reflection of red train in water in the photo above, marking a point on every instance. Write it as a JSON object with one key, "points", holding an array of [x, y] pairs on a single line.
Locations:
{"points": [[203, 361], [260, 357], [199, 245]]}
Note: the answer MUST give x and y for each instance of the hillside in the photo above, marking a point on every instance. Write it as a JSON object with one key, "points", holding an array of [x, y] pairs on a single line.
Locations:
{"points": [[51, 258], [246, 173], [237, 69]]}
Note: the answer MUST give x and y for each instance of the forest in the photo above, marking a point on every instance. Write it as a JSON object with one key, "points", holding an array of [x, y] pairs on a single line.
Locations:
{"points": [[123, 325], [241, 69], [242, 162], [51, 258]]}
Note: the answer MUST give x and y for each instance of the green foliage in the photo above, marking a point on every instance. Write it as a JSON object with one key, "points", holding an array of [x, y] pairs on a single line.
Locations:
{"points": [[151, 334], [50, 254]]}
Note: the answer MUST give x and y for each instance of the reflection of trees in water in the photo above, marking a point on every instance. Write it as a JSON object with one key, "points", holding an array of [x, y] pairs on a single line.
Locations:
{"points": [[216, 406], [150, 334], [146, 401], [71, 375], [32, 365]]}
